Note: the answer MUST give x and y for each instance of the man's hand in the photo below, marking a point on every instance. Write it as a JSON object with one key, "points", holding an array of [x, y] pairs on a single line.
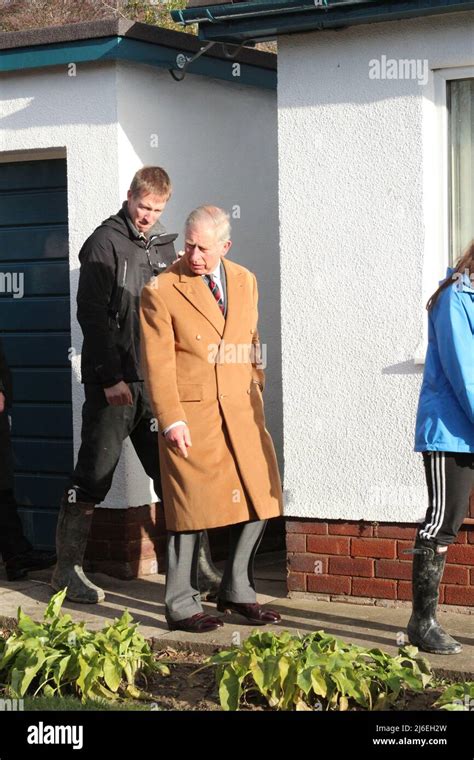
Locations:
{"points": [[2, 402], [119, 394], [180, 438]]}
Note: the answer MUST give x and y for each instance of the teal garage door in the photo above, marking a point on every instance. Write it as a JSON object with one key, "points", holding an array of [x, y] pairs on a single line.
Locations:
{"points": [[35, 330]]}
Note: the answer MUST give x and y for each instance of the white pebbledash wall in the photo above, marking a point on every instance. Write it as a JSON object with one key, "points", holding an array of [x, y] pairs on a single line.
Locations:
{"points": [[219, 143], [363, 243]]}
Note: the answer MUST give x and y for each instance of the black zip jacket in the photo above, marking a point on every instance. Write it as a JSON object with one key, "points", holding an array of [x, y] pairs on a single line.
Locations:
{"points": [[5, 377], [116, 263]]}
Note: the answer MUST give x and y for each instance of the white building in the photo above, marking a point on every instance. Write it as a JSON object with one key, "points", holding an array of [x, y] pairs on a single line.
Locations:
{"points": [[376, 198], [82, 108]]}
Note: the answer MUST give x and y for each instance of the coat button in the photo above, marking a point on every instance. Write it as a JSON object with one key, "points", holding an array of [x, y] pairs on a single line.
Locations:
{"points": [[248, 390], [221, 395], [198, 337], [252, 331]]}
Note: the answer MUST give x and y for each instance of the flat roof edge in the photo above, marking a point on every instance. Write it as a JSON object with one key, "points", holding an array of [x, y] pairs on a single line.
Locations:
{"points": [[88, 30]]}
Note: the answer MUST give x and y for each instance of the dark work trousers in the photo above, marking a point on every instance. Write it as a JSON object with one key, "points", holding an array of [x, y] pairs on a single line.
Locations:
{"points": [[104, 429], [450, 480], [12, 539]]}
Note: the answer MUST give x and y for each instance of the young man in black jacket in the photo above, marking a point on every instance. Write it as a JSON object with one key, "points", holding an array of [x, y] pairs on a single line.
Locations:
{"points": [[117, 261], [17, 552]]}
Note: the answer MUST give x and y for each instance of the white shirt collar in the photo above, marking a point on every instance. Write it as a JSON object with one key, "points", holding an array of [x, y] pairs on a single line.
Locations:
{"points": [[216, 273]]}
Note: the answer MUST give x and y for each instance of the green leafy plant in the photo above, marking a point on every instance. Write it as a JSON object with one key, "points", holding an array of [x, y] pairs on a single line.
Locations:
{"points": [[316, 671], [457, 697], [61, 657]]}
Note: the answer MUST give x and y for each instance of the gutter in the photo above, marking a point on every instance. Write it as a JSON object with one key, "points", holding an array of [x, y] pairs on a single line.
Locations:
{"points": [[267, 19], [230, 11]]}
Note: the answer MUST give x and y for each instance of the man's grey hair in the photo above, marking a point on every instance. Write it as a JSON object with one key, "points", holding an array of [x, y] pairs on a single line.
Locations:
{"points": [[213, 216]]}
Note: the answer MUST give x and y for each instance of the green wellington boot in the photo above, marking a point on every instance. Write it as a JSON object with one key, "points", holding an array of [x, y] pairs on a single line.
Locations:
{"points": [[72, 532]]}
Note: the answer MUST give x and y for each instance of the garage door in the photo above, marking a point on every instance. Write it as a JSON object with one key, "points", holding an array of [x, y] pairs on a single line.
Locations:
{"points": [[35, 330]]}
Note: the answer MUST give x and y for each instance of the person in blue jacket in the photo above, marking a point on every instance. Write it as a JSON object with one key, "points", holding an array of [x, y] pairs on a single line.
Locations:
{"points": [[445, 436]]}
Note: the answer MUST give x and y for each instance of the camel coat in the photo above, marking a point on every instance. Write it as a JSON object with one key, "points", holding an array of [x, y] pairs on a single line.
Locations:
{"points": [[200, 368]]}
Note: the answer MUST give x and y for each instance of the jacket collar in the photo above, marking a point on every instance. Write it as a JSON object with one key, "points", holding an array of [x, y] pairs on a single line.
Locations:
{"points": [[122, 223], [194, 289]]}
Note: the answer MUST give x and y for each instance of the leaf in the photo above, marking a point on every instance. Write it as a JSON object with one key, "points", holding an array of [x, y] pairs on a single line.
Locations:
{"points": [[273, 699], [344, 683], [264, 672], [135, 693], [84, 672], [300, 706], [127, 668], [27, 625], [21, 679], [60, 669], [304, 681], [112, 673], [318, 683], [54, 606], [99, 691], [13, 646], [343, 703], [409, 651], [458, 696], [289, 685], [230, 690], [124, 621], [382, 702]]}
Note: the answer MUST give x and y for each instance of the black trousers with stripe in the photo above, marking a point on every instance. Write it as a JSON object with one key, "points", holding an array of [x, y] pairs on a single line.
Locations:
{"points": [[450, 480]]}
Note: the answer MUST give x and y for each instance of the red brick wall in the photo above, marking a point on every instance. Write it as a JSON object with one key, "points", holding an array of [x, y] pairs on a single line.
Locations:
{"points": [[127, 543], [359, 559]]}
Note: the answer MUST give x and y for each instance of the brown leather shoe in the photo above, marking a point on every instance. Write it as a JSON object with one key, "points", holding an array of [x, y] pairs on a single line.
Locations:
{"points": [[254, 613], [201, 622]]}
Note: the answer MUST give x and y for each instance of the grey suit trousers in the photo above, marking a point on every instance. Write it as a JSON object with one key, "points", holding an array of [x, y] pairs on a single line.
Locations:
{"points": [[182, 595]]}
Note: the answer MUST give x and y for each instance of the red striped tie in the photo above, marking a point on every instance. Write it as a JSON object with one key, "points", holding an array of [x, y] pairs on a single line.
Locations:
{"points": [[214, 288]]}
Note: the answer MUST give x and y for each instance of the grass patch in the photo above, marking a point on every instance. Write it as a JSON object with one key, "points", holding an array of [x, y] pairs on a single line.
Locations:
{"points": [[68, 704]]}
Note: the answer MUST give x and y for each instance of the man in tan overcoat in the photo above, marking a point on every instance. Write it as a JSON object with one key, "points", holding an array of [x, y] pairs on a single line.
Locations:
{"points": [[200, 351]]}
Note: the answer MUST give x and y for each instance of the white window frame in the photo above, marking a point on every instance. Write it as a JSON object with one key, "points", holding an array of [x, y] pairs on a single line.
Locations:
{"points": [[436, 186]]}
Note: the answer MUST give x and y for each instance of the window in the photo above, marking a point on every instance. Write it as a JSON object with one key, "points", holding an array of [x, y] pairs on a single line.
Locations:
{"points": [[461, 165]]}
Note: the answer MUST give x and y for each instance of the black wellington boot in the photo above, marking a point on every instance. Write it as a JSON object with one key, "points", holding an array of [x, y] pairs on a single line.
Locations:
{"points": [[423, 630]]}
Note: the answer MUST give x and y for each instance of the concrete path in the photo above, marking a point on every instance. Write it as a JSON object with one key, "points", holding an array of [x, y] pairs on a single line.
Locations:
{"points": [[367, 625]]}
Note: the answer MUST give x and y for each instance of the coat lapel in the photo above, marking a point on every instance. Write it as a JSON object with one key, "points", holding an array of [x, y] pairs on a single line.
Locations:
{"points": [[195, 290], [235, 280]]}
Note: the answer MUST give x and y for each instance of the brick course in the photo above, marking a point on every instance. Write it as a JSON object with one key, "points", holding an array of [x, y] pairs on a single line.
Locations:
{"points": [[358, 559], [127, 543]]}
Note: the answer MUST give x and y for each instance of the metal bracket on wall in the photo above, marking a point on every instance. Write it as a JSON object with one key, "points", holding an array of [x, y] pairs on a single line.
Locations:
{"points": [[184, 63], [238, 48], [179, 76]]}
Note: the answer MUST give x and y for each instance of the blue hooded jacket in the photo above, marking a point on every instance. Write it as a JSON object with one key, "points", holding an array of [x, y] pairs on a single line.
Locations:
{"points": [[445, 418]]}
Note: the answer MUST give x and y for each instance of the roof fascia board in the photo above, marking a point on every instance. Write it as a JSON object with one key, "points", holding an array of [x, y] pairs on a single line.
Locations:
{"points": [[126, 49]]}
